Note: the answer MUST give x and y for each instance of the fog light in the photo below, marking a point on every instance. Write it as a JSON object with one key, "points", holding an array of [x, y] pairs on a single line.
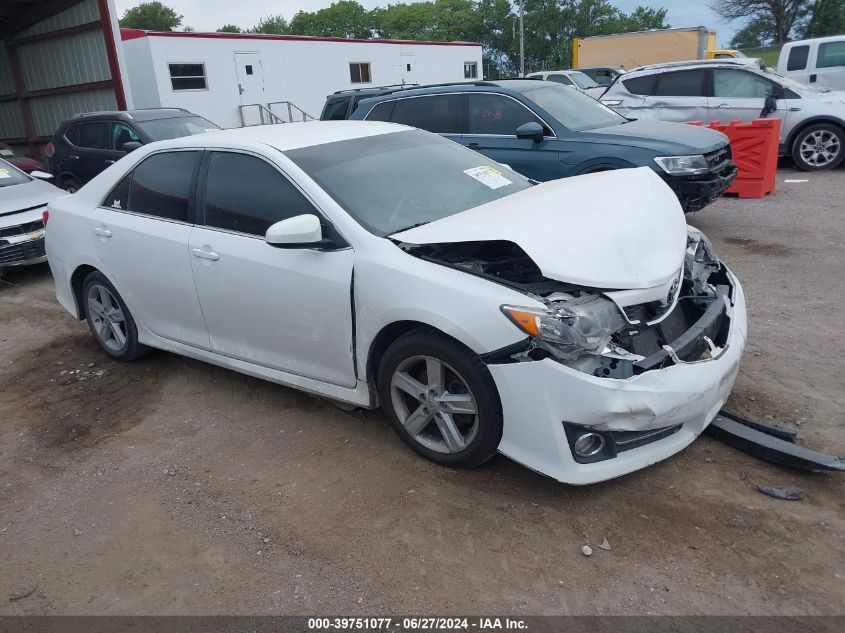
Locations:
{"points": [[588, 444]]}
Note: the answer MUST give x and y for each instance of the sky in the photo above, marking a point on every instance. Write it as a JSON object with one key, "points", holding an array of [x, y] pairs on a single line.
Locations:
{"points": [[209, 15]]}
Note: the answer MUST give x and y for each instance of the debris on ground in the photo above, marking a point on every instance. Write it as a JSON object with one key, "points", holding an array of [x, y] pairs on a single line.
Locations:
{"points": [[788, 493], [587, 550], [24, 594], [605, 545], [84, 374]]}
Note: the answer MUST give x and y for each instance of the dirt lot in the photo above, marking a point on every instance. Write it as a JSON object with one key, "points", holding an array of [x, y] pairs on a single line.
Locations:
{"points": [[170, 486]]}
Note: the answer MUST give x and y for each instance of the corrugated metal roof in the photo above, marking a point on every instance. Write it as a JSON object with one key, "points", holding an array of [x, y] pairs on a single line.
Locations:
{"points": [[81, 13], [65, 61], [49, 112], [11, 125], [7, 86]]}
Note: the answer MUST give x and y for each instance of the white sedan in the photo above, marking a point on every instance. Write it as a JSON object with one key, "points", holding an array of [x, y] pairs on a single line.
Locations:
{"points": [[584, 336], [23, 198]]}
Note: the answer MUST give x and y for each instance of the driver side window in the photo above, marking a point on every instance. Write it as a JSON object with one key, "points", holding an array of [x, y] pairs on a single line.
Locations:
{"points": [[738, 84], [495, 114], [246, 194], [122, 134]]}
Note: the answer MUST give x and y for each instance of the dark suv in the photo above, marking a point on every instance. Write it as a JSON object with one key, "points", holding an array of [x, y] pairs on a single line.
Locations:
{"points": [[341, 104], [545, 131], [86, 144]]}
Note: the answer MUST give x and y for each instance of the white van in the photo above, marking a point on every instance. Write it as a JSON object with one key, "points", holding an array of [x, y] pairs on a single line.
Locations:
{"points": [[819, 62]]}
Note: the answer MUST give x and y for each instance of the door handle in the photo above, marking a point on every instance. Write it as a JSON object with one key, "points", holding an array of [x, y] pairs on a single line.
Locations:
{"points": [[203, 254], [724, 106], [473, 145], [813, 78], [109, 162], [102, 231], [73, 157]]}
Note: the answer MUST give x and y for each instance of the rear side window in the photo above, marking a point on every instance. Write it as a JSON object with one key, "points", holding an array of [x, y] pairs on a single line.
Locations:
{"points": [[72, 134], [641, 85], [684, 83], [118, 198], [161, 185], [438, 113], [335, 110], [263, 196], [382, 111], [831, 54], [495, 114], [798, 57], [561, 79], [94, 135]]}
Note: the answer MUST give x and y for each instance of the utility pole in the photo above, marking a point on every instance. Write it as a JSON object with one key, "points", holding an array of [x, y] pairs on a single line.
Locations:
{"points": [[521, 39]]}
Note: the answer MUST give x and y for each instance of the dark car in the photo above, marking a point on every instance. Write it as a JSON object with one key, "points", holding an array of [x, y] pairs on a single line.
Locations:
{"points": [[85, 144], [545, 131], [24, 163], [341, 104]]}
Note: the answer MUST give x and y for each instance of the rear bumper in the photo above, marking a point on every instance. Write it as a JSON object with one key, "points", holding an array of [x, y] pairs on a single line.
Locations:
{"points": [[696, 192], [677, 402]]}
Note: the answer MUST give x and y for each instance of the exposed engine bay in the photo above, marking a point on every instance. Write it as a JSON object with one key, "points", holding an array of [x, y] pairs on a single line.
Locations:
{"points": [[605, 333]]}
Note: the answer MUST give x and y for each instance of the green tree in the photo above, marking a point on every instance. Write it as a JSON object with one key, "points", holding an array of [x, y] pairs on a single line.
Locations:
{"points": [[229, 28], [783, 16], [825, 17], [345, 18], [271, 25], [151, 16]]}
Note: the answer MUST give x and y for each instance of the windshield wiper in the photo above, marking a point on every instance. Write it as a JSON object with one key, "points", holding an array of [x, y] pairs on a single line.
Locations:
{"points": [[408, 228]]}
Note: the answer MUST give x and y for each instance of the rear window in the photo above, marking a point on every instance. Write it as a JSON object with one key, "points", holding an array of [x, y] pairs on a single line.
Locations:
{"points": [[684, 83], [641, 85], [335, 110], [798, 58], [381, 112], [438, 113], [94, 135], [161, 185]]}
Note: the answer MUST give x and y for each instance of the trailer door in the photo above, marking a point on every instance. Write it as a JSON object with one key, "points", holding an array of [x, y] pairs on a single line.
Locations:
{"points": [[250, 86]]}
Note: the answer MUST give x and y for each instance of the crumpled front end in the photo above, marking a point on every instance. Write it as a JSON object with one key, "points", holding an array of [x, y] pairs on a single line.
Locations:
{"points": [[653, 387]]}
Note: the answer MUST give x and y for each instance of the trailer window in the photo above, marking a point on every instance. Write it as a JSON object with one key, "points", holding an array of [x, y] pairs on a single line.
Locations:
{"points": [[798, 57], [188, 77], [359, 72], [470, 70]]}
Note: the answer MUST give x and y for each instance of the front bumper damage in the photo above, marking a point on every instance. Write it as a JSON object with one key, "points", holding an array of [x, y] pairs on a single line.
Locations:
{"points": [[696, 192], [644, 418]]}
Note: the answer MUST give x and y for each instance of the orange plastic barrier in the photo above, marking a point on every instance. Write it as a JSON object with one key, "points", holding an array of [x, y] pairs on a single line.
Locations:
{"points": [[755, 151]]}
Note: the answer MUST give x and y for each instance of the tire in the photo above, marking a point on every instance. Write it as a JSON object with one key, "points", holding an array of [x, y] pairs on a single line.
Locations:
{"points": [[437, 422], [819, 147], [69, 184], [110, 321]]}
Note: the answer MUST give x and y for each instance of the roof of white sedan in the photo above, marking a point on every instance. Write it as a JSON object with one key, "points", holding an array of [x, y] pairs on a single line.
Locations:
{"points": [[288, 136]]}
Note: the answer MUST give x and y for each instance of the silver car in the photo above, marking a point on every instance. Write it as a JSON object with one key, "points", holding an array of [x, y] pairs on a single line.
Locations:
{"points": [[813, 128], [572, 78]]}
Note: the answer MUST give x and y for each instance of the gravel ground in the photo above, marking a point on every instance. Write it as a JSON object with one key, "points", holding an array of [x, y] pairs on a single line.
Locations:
{"points": [[173, 487]]}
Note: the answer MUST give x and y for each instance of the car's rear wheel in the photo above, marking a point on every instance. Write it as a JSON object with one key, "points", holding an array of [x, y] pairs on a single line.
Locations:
{"points": [[819, 147], [109, 319], [70, 184], [441, 399]]}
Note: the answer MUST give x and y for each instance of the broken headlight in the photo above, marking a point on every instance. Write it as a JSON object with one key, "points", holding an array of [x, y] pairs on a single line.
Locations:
{"points": [[683, 165], [573, 325], [700, 260]]}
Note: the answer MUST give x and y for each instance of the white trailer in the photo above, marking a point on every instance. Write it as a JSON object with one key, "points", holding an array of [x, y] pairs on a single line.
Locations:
{"points": [[237, 79]]}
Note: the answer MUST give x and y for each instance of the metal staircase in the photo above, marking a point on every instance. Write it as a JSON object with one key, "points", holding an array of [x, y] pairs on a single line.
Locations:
{"points": [[272, 113]]}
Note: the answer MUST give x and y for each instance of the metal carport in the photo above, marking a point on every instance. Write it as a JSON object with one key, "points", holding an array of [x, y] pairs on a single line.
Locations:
{"points": [[57, 58]]}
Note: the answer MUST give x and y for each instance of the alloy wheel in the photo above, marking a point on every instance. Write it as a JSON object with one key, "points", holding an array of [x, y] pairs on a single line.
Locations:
{"points": [[434, 404], [107, 319], [820, 148]]}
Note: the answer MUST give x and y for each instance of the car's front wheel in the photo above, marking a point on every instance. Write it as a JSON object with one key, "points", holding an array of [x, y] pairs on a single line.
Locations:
{"points": [[109, 319], [441, 399], [819, 147]]}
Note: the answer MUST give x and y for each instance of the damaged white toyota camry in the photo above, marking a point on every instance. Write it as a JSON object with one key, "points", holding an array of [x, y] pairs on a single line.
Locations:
{"points": [[583, 334]]}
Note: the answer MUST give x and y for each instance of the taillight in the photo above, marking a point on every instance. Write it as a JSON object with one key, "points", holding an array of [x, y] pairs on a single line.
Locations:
{"points": [[45, 215], [49, 150]]}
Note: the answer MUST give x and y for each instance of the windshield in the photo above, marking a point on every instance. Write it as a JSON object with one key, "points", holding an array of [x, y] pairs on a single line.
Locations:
{"points": [[394, 181], [176, 127], [575, 110], [790, 83], [10, 175], [582, 80]]}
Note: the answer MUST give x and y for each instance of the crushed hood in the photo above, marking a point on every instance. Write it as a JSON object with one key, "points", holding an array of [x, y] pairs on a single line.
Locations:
{"points": [[620, 229]]}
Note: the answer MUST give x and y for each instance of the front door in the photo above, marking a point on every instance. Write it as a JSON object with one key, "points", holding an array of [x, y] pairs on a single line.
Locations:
{"points": [[141, 235], [490, 127], [740, 95], [287, 309], [250, 86]]}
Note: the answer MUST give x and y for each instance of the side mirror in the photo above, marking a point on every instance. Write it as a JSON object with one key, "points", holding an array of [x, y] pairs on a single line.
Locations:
{"points": [[769, 105], [41, 175], [131, 146], [301, 231], [532, 130]]}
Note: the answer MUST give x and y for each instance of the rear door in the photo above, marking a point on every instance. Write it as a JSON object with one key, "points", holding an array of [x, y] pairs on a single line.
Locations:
{"points": [[287, 309], [440, 114], [677, 96], [740, 95], [93, 152], [141, 233], [490, 123]]}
